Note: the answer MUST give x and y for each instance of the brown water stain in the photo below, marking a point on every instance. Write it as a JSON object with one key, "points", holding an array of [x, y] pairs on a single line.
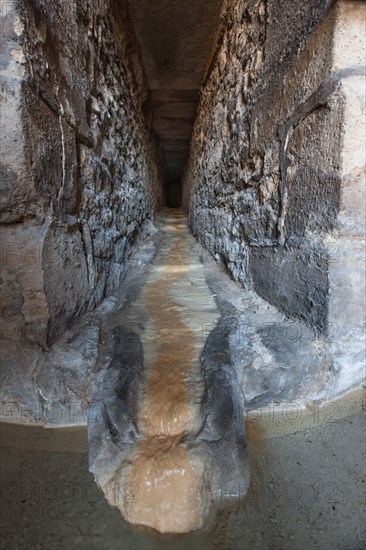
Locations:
{"points": [[166, 482]]}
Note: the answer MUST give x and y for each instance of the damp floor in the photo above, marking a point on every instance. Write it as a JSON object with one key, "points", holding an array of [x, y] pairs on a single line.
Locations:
{"points": [[308, 483], [309, 493]]}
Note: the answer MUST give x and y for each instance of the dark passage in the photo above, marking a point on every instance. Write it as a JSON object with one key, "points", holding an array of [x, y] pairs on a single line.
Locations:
{"points": [[174, 38]]}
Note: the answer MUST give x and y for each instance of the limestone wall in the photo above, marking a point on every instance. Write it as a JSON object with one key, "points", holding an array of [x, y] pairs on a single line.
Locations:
{"points": [[79, 173], [275, 184], [264, 183]]}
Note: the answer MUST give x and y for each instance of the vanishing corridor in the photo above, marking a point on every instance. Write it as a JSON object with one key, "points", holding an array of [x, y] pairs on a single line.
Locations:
{"points": [[182, 224]]}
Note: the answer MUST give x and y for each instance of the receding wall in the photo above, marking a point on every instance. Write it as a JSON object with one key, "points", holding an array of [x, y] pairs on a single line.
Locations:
{"points": [[274, 185], [265, 184], [79, 172], [275, 182]]}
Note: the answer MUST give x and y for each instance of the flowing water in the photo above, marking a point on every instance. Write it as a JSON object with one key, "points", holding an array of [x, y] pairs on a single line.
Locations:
{"points": [[308, 491], [167, 481], [164, 469]]}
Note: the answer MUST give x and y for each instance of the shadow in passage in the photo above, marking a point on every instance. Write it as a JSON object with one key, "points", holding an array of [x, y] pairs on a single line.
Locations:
{"points": [[173, 195]]}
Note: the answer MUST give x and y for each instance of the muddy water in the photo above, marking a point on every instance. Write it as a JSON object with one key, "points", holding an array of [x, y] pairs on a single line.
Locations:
{"points": [[310, 494], [167, 406], [166, 480]]}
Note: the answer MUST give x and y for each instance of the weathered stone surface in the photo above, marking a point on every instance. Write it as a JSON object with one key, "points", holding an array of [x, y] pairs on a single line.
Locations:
{"points": [[80, 187], [347, 272], [81, 178], [248, 145], [275, 191], [273, 183], [167, 422]]}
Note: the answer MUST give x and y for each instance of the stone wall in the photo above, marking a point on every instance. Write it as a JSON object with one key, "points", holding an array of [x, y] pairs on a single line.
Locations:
{"points": [[264, 181], [79, 175]]}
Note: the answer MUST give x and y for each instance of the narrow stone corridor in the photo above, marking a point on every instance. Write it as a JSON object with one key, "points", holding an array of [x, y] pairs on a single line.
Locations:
{"points": [[182, 312]]}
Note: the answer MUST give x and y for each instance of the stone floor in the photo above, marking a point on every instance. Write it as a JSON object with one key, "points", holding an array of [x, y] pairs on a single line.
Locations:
{"points": [[179, 313], [309, 493], [168, 416], [277, 359]]}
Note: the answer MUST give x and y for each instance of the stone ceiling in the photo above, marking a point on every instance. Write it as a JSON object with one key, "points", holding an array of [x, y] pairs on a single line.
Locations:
{"points": [[174, 37]]}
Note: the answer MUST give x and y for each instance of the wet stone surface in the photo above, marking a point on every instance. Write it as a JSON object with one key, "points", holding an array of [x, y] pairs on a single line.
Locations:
{"points": [[192, 352], [169, 419]]}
